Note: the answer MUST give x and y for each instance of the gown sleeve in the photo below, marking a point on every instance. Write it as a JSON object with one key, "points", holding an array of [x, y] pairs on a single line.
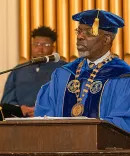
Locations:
{"points": [[46, 98], [9, 95], [115, 104]]}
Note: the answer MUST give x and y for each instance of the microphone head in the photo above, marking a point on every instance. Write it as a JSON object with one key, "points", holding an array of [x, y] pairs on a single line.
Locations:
{"points": [[56, 56]]}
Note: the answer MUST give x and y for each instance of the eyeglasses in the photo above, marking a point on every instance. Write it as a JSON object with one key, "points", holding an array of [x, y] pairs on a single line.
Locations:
{"points": [[87, 32], [38, 44]]}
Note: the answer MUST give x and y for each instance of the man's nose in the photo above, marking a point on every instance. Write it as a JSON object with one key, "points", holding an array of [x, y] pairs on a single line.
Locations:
{"points": [[80, 36], [40, 50], [40, 47]]}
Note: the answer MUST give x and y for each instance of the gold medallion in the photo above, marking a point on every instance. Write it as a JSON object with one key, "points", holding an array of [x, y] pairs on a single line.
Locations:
{"points": [[77, 110], [96, 86], [73, 85]]}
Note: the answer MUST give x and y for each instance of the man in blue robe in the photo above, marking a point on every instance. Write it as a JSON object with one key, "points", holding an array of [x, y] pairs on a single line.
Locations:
{"points": [[23, 84], [96, 85]]}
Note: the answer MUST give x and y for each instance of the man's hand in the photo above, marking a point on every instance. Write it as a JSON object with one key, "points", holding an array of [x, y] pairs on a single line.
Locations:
{"points": [[27, 111]]}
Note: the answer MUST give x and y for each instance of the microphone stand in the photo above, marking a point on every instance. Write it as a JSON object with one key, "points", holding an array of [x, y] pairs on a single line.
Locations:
{"points": [[18, 67], [54, 57], [31, 62]]}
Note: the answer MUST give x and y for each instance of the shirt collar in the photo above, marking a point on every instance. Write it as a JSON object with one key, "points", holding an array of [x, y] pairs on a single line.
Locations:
{"points": [[100, 59]]}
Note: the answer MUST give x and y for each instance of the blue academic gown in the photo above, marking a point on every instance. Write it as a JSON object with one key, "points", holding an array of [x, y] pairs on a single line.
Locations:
{"points": [[111, 103], [22, 85]]}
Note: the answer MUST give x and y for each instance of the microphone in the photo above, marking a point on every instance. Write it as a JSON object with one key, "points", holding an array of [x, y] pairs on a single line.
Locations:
{"points": [[55, 57]]}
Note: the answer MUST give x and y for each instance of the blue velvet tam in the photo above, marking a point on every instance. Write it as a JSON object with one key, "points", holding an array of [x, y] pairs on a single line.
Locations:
{"points": [[107, 20]]}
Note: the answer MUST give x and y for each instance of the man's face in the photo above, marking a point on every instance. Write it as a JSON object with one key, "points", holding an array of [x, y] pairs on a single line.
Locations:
{"points": [[42, 46], [88, 45]]}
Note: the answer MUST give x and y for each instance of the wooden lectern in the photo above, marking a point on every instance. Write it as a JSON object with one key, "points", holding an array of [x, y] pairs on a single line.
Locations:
{"points": [[62, 137]]}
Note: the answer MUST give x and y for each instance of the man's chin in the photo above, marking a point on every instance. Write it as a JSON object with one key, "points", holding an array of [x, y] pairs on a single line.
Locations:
{"points": [[83, 53]]}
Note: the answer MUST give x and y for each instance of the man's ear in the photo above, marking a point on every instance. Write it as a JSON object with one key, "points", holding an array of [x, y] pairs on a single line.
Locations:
{"points": [[107, 39]]}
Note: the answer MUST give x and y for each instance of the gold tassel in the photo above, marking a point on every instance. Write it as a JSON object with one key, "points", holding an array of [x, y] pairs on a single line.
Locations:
{"points": [[95, 25]]}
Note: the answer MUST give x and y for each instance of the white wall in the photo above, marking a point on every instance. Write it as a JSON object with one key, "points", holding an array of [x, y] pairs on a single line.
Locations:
{"points": [[9, 37]]}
